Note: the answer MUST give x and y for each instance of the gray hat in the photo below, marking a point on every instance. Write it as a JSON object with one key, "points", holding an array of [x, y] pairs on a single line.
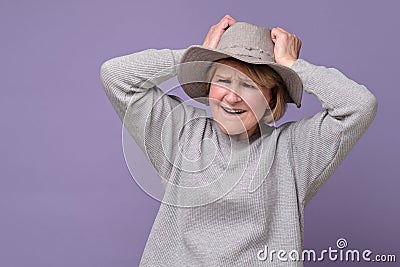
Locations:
{"points": [[245, 42]]}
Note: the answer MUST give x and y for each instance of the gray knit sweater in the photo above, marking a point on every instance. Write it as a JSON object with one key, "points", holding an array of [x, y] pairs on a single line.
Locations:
{"points": [[259, 188]]}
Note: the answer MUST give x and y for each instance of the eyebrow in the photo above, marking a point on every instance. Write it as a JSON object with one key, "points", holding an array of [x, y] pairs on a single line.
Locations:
{"points": [[220, 76], [228, 77]]}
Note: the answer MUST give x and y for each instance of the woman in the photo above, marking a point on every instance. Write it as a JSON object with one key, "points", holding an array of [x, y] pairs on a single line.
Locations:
{"points": [[234, 184]]}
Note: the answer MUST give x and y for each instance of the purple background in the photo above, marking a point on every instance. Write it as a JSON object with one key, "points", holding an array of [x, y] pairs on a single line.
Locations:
{"points": [[66, 195]]}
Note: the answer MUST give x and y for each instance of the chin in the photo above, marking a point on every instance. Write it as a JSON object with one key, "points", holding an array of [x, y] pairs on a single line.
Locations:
{"points": [[232, 129]]}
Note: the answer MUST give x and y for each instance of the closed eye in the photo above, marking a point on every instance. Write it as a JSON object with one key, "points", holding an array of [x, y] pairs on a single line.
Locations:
{"points": [[247, 85], [223, 81]]}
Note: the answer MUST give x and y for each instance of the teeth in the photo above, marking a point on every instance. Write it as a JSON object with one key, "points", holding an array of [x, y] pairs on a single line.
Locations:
{"points": [[233, 111]]}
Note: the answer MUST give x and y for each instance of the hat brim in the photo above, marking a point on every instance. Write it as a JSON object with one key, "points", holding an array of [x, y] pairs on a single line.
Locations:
{"points": [[196, 61]]}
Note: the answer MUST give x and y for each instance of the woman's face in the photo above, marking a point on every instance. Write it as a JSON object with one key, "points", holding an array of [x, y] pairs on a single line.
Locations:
{"points": [[237, 103]]}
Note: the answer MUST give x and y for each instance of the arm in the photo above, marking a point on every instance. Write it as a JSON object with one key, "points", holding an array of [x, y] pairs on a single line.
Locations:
{"points": [[134, 74], [153, 118], [320, 143]]}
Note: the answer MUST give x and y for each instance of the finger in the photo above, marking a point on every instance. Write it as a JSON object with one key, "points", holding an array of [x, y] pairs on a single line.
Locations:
{"points": [[229, 17], [232, 21], [226, 22], [224, 18], [288, 34], [279, 33], [282, 30], [275, 32]]}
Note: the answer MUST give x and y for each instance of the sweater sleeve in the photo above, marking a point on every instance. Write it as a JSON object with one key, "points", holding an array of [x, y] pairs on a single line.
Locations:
{"points": [[124, 76], [320, 143], [152, 117]]}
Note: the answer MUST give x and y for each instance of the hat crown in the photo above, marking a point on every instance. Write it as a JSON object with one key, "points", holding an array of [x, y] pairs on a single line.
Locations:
{"points": [[249, 40]]}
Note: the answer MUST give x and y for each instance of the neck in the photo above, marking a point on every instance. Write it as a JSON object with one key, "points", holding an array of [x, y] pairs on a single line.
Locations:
{"points": [[246, 135]]}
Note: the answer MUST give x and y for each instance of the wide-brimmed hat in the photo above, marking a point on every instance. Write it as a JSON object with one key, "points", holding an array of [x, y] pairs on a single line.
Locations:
{"points": [[243, 41]]}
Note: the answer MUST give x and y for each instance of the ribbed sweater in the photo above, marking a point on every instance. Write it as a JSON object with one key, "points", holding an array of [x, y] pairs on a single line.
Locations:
{"points": [[259, 188]]}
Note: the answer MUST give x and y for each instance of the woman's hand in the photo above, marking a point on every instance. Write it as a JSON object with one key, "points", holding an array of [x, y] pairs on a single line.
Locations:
{"points": [[216, 31], [287, 46]]}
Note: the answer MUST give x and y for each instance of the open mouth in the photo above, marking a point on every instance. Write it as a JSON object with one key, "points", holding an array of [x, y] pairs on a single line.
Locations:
{"points": [[233, 111]]}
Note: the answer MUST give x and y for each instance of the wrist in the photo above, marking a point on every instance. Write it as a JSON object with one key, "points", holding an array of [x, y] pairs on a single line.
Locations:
{"points": [[286, 62]]}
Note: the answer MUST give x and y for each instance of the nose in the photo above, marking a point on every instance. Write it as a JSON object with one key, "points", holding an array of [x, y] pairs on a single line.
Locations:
{"points": [[232, 96]]}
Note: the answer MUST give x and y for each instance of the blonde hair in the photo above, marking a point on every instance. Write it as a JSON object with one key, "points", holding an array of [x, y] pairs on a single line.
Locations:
{"points": [[265, 77]]}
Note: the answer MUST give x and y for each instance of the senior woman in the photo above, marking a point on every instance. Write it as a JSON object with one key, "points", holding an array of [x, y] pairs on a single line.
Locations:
{"points": [[235, 186]]}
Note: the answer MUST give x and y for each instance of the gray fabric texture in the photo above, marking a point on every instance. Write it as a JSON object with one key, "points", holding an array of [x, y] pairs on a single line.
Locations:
{"points": [[233, 229]]}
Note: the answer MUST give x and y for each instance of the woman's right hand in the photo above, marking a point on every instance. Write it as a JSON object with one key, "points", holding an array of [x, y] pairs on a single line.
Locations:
{"points": [[216, 31]]}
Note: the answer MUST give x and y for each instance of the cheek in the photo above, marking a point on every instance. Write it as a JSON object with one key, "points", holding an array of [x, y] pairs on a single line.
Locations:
{"points": [[256, 102], [216, 93]]}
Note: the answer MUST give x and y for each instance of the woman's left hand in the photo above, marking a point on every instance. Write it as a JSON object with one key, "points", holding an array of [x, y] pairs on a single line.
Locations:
{"points": [[287, 46]]}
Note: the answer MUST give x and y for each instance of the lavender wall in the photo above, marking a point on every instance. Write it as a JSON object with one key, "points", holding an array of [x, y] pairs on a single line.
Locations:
{"points": [[66, 195]]}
